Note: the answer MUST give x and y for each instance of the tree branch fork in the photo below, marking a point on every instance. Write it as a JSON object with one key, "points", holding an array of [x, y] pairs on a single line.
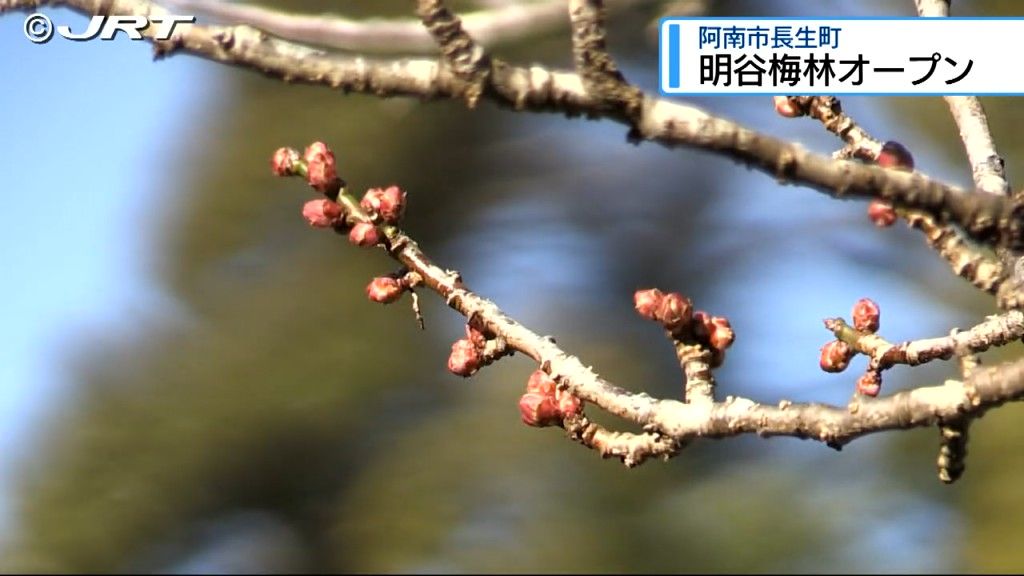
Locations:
{"points": [[958, 224]]}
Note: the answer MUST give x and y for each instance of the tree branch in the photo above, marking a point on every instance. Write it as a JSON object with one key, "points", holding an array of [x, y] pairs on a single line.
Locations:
{"points": [[667, 424], [984, 217], [601, 76], [987, 167], [967, 261], [994, 331], [468, 60], [670, 424], [493, 26]]}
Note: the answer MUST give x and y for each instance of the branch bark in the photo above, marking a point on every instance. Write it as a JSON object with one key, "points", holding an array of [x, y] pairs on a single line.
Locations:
{"points": [[490, 27]]}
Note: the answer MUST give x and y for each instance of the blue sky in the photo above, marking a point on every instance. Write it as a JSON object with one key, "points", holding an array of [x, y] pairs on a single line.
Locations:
{"points": [[83, 128]]}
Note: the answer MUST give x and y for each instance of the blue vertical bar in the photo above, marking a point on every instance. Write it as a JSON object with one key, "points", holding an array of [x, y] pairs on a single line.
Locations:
{"points": [[673, 55]]}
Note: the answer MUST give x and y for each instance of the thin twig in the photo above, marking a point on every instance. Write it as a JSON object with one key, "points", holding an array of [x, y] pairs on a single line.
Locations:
{"points": [[967, 261], [601, 76], [996, 330]]}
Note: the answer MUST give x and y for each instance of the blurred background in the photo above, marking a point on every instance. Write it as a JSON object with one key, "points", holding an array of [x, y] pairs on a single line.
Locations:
{"points": [[191, 379]]}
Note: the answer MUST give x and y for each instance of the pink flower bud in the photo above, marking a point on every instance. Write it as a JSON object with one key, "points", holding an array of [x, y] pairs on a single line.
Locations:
{"points": [[881, 213], [866, 315], [392, 204], [317, 149], [647, 302], [364, 234], [321, 172], [384, 289], [869, 383], [539, 410], [541, 383], [283, 161], [785, 107], [371, 199], [895, 155], [321, 213], [464, 359], [388, 202], [835, 356], [722, 335], [675, 311]]}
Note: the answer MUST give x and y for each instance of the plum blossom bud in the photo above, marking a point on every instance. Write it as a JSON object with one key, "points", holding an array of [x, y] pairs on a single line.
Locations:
{"points": [[869, 383], [384, 289], [371, 199], [866, 315], [317, 149], [464, 359], [675, 311], [283, 162], [321, 172], [881, 213], [541, 383], [321, 213], [364, 235], [785, 107], [835, 356], [392, 204], [721, 334], [388, 202], [539, 410], [647, 302], [895, 155]]}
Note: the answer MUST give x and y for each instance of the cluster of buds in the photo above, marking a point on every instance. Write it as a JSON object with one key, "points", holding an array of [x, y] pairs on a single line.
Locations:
{"points": [[323, 213], [544, 404], [836, 355], [388, 203], [476, 350], [896, 156], [467, 353], [675, 312], [388, 289], [321, 172], [317, 164], [672, 310]]}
